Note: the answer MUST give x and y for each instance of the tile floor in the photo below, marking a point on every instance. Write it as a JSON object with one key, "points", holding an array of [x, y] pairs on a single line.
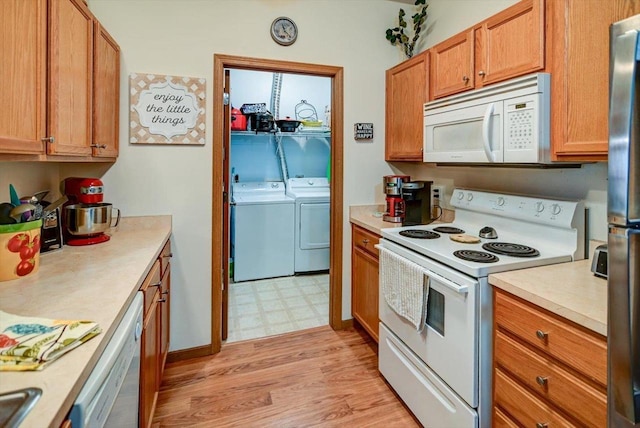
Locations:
{"points": [[277, 305]]}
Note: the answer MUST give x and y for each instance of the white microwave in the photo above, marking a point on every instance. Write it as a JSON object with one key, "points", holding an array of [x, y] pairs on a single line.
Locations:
{"points": [[506, 123]]}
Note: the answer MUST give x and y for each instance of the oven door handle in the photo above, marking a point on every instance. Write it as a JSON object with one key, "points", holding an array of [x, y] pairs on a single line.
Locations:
{"points": [[460, 289]]}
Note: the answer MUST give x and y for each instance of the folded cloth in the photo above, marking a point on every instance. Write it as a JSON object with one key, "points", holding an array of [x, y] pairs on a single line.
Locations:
{"points": [[405, 287], [31, 343]]}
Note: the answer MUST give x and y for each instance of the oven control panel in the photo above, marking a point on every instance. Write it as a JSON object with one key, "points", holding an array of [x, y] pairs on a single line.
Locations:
{"points": [[532, 209]]}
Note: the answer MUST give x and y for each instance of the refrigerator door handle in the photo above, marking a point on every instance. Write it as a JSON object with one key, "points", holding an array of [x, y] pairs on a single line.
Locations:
{"points": [[624, 322], [624, 177]]}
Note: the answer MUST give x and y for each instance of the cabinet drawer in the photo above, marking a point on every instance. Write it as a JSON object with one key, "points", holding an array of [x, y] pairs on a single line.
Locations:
{"points": [[501, 420], [165, 258], [549, 380], [522, 405], [580, 349], [150, 286], [365, 240]]}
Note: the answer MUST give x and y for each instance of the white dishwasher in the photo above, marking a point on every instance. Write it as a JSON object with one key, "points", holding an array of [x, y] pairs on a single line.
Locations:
{"points": [[110, 396]]}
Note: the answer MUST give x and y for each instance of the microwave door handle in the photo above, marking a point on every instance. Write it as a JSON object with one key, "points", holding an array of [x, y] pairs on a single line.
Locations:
{"points": [[485, 132]]}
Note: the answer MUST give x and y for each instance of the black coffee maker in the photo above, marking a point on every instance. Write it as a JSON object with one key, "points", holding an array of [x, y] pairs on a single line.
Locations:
{"points": [[417, 202]]}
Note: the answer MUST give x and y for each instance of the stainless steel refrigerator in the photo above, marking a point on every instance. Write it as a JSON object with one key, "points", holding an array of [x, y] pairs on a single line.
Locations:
{"points": [[624, 226]]}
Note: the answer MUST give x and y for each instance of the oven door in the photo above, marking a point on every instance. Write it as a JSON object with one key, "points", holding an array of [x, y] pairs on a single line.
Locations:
{"points": [[449, 344]]}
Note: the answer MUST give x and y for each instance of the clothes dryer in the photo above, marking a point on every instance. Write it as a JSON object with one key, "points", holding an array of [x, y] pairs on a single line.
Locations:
{"points": [[312, 222]]}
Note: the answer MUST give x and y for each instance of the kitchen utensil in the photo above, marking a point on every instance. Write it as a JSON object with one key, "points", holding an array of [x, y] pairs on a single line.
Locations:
{"points": [[253, 108], [238, 120], [5, 211], [488, 233], [17, 211], [261, 122], [13, 195], [83, 190], [87, 223], [288, 124], [55, 204]]}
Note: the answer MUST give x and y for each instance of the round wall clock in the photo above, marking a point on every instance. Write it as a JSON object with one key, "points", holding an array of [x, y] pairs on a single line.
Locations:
{"points": [[284, 31]]}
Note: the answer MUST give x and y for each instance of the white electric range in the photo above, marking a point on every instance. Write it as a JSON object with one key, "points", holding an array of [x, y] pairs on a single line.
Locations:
{"points": [[443, 370]]}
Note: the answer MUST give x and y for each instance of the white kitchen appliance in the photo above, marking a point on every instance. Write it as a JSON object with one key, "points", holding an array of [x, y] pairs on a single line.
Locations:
{"points": [[262, 231], [312, 232], [443, 371], [110, 396], [506, 123]]}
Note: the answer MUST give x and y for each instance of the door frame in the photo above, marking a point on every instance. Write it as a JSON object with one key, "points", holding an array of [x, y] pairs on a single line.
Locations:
{"points": [[219, 267]]}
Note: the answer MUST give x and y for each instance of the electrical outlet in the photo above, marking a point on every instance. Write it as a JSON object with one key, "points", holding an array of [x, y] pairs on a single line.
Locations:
{"points": [[437, 201]]}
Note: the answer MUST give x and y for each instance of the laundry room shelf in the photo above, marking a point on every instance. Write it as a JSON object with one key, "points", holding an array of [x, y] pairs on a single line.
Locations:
{"points": [[313, 134]]}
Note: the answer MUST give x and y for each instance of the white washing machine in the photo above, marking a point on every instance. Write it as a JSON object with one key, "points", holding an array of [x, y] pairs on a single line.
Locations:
{"points": [[262, 233], [312, 203]]}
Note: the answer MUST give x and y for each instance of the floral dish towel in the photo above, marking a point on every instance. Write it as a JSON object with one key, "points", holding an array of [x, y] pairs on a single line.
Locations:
{"points": [[31, 343]]}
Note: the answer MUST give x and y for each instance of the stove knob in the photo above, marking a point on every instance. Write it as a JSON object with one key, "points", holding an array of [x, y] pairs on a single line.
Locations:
{"points": [[460, 196], [470, 197], [556, 209], [539, 207], [501, 201], [310, 182]]}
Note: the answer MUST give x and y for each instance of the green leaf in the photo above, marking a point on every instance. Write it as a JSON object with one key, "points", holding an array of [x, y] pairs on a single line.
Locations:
{"points": [[388, 33], [404, 38]]}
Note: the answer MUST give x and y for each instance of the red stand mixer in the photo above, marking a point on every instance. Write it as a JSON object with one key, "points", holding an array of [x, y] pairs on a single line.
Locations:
{"points": [[85, 217], [392, 185]]}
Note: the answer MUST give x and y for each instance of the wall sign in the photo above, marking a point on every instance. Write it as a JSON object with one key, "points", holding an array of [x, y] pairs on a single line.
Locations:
{"points": [[166, 109], [363, 131]]}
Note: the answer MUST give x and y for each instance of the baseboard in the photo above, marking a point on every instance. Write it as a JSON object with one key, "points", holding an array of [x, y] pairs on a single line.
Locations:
{"points": [[187, 354], [346, 324]]}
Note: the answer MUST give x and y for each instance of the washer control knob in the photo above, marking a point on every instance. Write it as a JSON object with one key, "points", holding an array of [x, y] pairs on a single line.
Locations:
{"points": [[274, 185], [470, 197], [310, 182], [556, 209], [501, 201], [539, 207], [460, 195]]}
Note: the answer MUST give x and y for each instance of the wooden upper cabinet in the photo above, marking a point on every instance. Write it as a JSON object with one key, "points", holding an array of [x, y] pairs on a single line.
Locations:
{"points": [[106, 94], [507, 45], [510, 43], [577, 46], [452, 65], [407, 89], [70, 77], [23, 71]]}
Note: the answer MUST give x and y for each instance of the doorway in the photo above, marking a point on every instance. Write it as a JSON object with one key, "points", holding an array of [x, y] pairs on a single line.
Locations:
{"points": [[220, 185]]}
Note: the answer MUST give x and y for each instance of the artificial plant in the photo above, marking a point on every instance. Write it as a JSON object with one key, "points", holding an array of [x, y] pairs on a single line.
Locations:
{"points": [[397, 36]]}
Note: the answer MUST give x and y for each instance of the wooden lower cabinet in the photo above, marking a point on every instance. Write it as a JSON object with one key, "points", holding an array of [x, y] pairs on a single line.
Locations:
{"points": [[547, 371], [155, 334], [364, 279]]}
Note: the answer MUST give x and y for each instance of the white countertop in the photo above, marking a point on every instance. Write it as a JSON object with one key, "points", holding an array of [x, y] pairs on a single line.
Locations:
{"points": [[96, 283]]}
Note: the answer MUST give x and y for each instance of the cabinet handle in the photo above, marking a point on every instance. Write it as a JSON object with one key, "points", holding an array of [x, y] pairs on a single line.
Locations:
{"points": [[481, 73], [542, 335], [162, 300], [49, 139], [365, 241], [541, 380], [542, 425], [465, 79], [99, 146], [156, 284], [168, 255], [165, 292]]}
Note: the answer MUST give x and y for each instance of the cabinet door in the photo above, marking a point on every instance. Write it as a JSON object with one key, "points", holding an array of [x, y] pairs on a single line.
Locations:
{"points": [[106, 94], [578, 57], [23, 71], [452, 65], [510, 43], [149, 364], [165, 316], [365, 291], [70, 77], [407, 89]]}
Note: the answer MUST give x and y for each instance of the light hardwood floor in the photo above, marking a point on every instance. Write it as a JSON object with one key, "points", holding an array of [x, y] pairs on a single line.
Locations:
{"points": [[317, 377]]}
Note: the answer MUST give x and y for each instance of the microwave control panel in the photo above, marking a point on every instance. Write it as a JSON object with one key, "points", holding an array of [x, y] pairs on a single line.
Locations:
{"points": [[520, 125]]}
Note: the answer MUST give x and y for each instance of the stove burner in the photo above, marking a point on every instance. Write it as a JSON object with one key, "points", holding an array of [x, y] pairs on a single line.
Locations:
{"points": [[509, 249], [419, 234], [448, 229], [476, 256]]}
